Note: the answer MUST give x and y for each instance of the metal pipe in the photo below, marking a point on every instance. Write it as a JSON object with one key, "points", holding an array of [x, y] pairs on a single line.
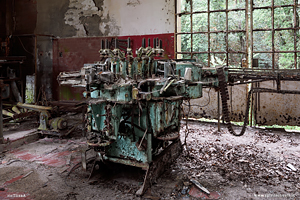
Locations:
{"points": [[208, 32], [128, 43], [1, 116], [220, 31], [191, 18], [201, 12], [35, 68], [144, 42], [247, 34], [273, 36], [226, 37], [295, 34], [145, 81], [219, 129], [102, 44]]}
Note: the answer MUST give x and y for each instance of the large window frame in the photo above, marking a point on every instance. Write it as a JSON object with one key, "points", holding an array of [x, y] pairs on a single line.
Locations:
{"points": [[249, 51]]}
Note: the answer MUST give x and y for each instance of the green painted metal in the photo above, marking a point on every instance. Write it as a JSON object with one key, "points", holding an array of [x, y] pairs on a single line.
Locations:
{"points": [[126, 148], [134, 102]]}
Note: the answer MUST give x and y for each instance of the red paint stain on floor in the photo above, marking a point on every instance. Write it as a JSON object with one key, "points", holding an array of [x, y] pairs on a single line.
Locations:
{"points": [[12, 180], [52, 159]]}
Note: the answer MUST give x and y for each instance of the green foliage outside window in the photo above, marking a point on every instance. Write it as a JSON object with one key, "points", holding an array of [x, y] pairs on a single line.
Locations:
{"points": [[262, 40]]}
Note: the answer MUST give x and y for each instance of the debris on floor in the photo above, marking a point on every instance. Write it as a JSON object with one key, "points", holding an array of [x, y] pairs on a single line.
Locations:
{"points": [[212, 166]]}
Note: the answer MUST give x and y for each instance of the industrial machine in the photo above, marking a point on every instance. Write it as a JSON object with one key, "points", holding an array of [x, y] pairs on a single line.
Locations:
{"points": [[134, 103], [134, 109]]}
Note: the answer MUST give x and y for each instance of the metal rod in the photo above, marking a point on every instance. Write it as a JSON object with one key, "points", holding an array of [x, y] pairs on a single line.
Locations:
{"points": [[35, 68], [191, 17], [144, 42], [277, 51], [128, 43], [213, 11], [273, 36], [279, 6], [276, 29], [208, 31], [247, 33], [219, 111], [142, 139], [258, 97], [215, 52], [251, 56], [255, 106], [1, 116], [176, 27], [220, 31], [251, 105], [226, 37], [295, 34]]}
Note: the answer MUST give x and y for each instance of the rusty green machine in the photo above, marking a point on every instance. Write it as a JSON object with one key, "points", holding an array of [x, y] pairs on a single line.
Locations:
{"points": [[134, 104]]}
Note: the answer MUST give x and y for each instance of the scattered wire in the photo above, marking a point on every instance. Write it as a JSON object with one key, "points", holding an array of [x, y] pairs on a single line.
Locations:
{"points": [[200, 106], [75, 167], [186, 126], [24, 47]]}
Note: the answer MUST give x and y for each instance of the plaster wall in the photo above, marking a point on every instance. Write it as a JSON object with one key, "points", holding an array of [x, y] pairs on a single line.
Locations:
{"points": [[268, 108], [84, 22], [82, 18]]}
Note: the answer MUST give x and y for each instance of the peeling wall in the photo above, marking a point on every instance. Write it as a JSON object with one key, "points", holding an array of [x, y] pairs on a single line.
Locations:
{"points": [[269, 109], [207, 106], [93, 18], [82, 18], [281, 109]]}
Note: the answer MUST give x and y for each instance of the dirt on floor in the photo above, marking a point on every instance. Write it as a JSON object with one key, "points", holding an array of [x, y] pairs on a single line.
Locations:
{"points": [[261, 164]]}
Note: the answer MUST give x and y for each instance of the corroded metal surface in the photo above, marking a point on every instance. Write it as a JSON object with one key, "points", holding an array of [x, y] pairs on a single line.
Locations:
{"points": [[160, 164]]}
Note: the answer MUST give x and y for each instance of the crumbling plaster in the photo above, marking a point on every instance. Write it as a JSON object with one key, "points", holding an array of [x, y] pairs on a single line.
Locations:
{"points": [[83, 18]]}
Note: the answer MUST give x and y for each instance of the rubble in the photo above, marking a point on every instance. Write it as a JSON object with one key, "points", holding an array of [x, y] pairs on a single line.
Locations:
{"points": [[228, 168]]}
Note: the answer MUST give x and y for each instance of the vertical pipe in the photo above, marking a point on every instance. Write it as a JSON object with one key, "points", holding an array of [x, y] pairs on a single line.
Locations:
{"points": [[116, 43], [128, 43], [258, 98], [191, 17], [295, 34], [35, 67], [255, 105], [149, 147], [176, 31], [106, 44], [251, 31], [226, 37], [251, 107], [219, 111], [273, 36], [208, 30], [251, 56], [102, 44], [1, 116], [149, 134], [247, 33], [144, 42]]}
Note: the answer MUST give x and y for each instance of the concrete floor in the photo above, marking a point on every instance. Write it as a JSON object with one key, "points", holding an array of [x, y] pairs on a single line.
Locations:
{"points": [[43, 167]]}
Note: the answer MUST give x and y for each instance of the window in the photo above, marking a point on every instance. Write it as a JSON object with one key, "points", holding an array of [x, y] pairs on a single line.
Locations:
{"points": [[228, 32]]}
